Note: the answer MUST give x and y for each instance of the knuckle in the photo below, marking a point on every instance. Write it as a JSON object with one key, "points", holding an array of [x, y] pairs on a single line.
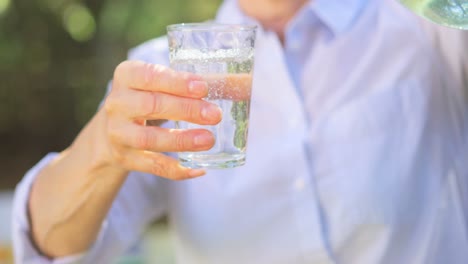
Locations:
{"points": [[171, 171], [114, 136], [178, 78], [174, 174], [120, 157], [181, 142], [111, 104], [180, 175], [143, 139], [149, 104], [148, 72], [120, 69], [187, 109], [159, 169], [158, 104], [168, 170], [153, 73], [165, 75]]}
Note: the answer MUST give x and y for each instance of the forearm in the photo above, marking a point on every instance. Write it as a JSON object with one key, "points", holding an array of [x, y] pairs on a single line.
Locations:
{"points": [[71, 197]]}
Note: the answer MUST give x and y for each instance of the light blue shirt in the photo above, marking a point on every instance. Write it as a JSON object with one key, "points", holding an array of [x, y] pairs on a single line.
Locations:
{"points": [[356, 154]]}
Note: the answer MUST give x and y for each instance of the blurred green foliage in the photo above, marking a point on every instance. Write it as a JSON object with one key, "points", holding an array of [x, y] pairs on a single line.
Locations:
{"points": [[56, 57]]}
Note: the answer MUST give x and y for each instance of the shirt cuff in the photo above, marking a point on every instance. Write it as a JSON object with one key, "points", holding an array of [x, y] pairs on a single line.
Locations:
{"points": [[24, 250]]}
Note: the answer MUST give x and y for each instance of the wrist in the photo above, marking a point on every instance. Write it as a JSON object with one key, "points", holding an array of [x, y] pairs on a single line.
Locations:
{"points": [[94, 150]]}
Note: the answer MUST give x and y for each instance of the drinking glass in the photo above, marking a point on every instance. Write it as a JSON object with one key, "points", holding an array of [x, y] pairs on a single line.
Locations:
{"points": [[452, 13], [223, 55]]}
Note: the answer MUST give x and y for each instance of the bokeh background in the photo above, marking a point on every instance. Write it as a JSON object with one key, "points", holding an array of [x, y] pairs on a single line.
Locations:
{"points": [[56, 57]]}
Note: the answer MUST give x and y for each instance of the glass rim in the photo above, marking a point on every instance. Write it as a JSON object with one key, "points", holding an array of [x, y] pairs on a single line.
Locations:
{"points": [[210, 26]]}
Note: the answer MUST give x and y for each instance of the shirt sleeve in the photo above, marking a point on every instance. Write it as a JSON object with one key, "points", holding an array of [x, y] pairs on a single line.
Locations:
{"points": [[141, 199], [24, 250]]}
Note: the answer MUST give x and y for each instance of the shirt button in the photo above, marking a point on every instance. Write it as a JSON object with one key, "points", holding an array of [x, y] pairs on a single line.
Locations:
{"points": [[299, 184]]}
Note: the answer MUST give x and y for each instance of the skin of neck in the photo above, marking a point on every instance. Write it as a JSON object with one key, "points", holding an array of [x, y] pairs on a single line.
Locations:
{"points": [[273, 15]]}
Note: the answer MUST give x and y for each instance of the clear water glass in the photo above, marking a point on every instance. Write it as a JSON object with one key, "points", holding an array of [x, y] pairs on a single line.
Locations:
{"points": [[451, 13], [224, 56]]}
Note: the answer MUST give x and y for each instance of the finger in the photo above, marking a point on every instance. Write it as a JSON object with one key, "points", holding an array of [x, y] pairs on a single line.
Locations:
{"points": [[157, 78], [153, 105], [158, 164], [161, 139]]}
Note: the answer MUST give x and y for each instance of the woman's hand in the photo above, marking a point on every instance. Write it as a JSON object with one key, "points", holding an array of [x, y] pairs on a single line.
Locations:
{"points": [[143, 91]]}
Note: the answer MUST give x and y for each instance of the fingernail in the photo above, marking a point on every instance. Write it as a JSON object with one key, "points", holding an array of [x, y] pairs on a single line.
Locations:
{"points": [[211, 112], [198, 88], [196, 172], [203, 139]]}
